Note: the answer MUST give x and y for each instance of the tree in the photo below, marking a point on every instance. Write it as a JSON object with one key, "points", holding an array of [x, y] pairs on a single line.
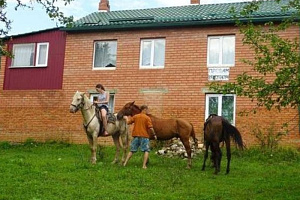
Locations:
{"points": [[274, 56], [51, 9]]}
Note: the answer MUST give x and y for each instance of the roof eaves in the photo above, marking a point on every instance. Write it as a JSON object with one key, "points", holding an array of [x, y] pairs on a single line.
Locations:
{"points": [[179, 23], [33, 32]]}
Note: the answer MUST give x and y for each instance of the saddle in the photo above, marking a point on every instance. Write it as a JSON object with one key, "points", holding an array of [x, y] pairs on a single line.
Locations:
{"points": [[110, 117]]}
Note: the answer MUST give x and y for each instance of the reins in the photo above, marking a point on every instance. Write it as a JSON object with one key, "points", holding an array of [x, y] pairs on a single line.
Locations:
{"points": [[90, 107], [87, 125], [81, 106]]}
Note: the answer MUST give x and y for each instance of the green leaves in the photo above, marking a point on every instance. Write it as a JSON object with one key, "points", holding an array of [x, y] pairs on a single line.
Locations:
{"points": [[51, 9], [275, 79]]}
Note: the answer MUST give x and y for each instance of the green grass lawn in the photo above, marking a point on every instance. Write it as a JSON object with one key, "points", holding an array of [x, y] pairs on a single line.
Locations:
{"points": [[62, 171]]}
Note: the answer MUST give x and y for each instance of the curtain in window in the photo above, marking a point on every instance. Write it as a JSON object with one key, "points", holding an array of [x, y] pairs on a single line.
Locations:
{"points": [[214, 51], [146, 53], [105, 54], [228, 50], [23, 55], [42, 54], [159, 53]]}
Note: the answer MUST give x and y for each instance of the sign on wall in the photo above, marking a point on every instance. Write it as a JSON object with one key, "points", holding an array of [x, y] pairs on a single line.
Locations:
{"points": [[218, 74]]}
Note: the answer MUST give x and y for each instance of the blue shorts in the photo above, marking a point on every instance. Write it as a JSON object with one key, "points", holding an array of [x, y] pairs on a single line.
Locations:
{"points": [[137, 142], [103, 107]]}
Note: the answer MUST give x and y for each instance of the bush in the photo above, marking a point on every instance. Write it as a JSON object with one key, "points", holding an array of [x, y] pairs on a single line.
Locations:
{"points": [[269, 138], [5, 145]]}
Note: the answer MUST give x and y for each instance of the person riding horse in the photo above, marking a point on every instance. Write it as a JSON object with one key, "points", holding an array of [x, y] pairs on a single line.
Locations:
{"points": [[102, 103]]}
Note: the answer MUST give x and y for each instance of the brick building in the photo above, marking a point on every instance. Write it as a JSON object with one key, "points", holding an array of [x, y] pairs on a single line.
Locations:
{"points": [[162, 57]]}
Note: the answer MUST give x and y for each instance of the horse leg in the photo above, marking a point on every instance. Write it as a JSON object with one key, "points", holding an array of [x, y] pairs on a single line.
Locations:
{"points": [[186, 144], [216, 156], [93, 146], [117, 144], [125, 144], [205, 155], [228, 151], [220, 158]]}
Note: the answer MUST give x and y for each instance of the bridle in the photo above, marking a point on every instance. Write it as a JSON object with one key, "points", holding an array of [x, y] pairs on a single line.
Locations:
{"points": [[79, 106]]}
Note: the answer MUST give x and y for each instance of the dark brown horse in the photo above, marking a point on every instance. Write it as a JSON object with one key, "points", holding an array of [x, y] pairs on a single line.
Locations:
{"points": [[166, 129], [216, 130]]}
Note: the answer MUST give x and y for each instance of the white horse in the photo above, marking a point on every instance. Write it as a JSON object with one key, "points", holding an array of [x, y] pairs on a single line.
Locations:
{"points": [[92, 126]]}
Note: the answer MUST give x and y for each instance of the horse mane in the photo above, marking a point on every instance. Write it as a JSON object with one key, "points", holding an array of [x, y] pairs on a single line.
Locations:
{"points": [[87, 102], [137, 107]]}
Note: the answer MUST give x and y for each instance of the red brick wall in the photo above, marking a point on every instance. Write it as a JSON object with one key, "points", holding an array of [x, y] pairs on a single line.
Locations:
{"points": [[44, 115]]}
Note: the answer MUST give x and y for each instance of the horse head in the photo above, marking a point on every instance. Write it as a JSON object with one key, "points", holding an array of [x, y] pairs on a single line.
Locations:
{"points": [[126, 110], [77, 102]]}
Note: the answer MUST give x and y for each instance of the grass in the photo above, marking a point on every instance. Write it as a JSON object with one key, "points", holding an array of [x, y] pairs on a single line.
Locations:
{"points": [[62, 171]]}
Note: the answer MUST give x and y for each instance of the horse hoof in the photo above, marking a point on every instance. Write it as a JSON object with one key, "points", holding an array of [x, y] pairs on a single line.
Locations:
{"points": [[114, 162]]}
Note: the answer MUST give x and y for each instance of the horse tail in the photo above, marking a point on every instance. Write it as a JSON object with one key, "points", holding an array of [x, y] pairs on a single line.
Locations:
{"points": [[234, 133], [193, 135]]}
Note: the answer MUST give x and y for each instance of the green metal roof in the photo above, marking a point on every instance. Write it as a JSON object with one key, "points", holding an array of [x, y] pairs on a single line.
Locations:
{"points": [[190, 15]]}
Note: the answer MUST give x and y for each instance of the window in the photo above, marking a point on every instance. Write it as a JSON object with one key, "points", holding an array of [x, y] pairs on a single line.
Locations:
{"points": [[42, 54], [105, 54], [111, 103], [221, 51], [26, 55], [222, 105], [152, 53]]}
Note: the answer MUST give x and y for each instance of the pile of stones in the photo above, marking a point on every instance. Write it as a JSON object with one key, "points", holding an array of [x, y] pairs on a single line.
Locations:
{"points": [[176, 149]]}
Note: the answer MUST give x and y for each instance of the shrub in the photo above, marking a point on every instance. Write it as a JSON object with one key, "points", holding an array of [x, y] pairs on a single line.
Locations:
{"points": [[269, 138]]}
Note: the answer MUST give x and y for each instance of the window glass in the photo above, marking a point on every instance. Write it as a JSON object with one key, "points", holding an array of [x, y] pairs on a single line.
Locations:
{"points": [[105, 54], [222, 105], [214, 51], [159, 53], [42, 54], [221, 51], [227, 107], [152, 53], [213, 105], [146, 53], [228, 50], [23, 55]]}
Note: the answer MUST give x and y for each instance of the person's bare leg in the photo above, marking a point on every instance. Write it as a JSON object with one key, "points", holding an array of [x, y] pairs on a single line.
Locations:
{"points": [[104, 120], [146, 157], [127, 158]]}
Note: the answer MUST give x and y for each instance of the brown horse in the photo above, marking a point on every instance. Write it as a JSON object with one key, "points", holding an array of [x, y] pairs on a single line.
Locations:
{"points": [[216, 130], [117, 129], [166, 129]]}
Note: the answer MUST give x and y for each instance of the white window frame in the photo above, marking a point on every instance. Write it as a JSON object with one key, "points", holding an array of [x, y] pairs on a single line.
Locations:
{"points": [[38, 55], [13, 49], [111, 104], [219, 96], [152, 54], [220, 64], [94, 52]]}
